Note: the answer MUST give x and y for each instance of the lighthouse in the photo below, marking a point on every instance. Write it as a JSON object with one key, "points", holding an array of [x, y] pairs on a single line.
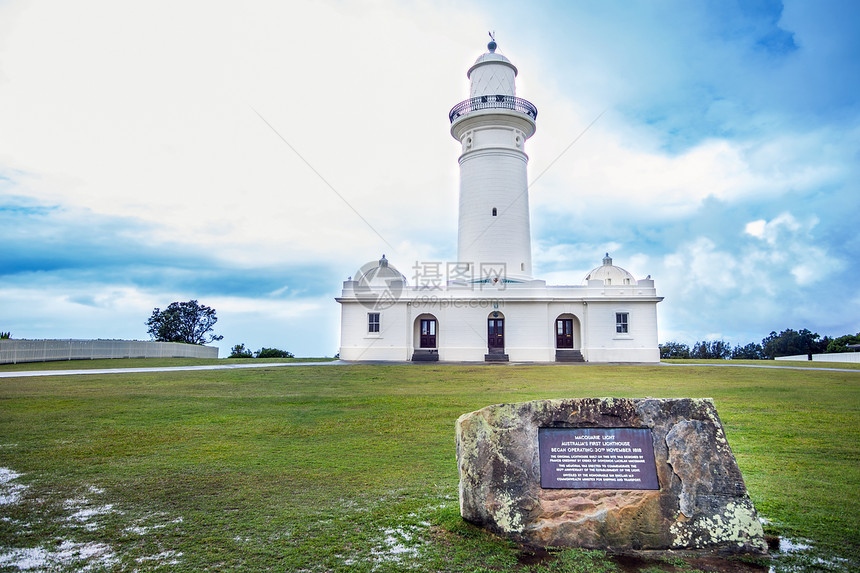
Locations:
{"points": [[487, 306], [492, 126]]}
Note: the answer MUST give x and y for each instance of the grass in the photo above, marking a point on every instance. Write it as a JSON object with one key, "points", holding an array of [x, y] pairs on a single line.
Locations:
{"points": [[767, 363], [352, 468], [144, 363]]}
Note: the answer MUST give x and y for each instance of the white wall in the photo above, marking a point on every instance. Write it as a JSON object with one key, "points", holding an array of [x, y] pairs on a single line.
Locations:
{"points": [[15, 351], [604, 344], [529, 327], [390, 343], [849, 357]]}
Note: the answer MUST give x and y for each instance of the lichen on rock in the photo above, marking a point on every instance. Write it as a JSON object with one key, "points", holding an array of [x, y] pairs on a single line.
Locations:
{"points": [[701, 502]]}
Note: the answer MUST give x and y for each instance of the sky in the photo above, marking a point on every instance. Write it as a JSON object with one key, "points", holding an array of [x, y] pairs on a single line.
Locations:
{"points": [[253, 155]]}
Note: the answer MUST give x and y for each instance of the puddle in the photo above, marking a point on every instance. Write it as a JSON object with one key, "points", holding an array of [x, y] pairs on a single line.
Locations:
{"points": [[800, 555], [667, 563], [534, 557], [634, 564], [786, 555]]}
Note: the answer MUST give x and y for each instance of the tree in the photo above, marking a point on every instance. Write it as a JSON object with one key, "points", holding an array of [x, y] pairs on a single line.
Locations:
{"points": [[5, 335], [239, 351], [187, 322], [711, 350], [674, 350], [840, 344], [273, 353], [751, 351], [791, 342]]}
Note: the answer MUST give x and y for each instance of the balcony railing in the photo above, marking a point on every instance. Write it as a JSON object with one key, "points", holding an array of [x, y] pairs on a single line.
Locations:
{"points": [[493, 102]]}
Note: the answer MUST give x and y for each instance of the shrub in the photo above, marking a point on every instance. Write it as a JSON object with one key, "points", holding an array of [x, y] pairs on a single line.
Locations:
{"points": [[273, 353], [239, 351]]}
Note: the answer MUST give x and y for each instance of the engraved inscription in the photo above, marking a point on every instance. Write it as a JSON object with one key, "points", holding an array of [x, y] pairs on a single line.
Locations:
{"points": [[597, 458]]}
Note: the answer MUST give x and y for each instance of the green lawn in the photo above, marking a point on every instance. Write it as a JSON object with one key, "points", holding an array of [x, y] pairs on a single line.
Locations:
{"points": [[352, 468], [144, 363]]}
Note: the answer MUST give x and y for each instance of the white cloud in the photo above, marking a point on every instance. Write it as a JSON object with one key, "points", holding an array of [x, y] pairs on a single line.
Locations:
{"points": [[785, 246], [607, 168], [791, 242], [782, 226], [756, 228], [699, 266], [149, 111], [726, 173]]}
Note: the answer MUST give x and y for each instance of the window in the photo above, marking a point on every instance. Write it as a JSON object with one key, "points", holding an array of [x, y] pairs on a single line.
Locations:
{"points": [[621, 322], [494, 212], [372, 322]]}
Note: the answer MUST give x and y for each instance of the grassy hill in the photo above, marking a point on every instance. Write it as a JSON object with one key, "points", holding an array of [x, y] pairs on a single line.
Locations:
{"points": [[353, 467]]}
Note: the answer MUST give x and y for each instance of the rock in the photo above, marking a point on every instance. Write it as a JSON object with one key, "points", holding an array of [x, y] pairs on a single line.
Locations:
{"points": [[701, 503]]}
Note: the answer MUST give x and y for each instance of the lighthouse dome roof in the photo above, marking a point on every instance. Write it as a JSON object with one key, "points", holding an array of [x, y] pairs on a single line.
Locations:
{"points": [[610, 274], [491, 57]]}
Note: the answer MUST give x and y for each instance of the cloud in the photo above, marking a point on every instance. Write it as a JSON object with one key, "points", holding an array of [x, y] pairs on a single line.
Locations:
{"points": [[135, 168], [162, 125], [792, 242], [774, 276]]}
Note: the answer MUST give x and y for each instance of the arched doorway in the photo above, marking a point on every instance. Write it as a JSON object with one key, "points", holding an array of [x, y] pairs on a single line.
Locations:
{"points": [[496, 338], [425, 339], [567, 336]]}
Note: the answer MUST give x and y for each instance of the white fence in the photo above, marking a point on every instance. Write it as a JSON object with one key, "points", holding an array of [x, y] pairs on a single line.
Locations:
{"points": [[853, 357], [15, 351]]}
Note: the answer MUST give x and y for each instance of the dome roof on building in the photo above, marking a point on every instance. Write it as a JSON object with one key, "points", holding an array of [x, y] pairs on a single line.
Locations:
{"points": [[609, 274], [378, 274]]}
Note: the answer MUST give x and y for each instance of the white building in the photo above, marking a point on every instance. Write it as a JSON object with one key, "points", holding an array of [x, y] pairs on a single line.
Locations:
{"points": [[487, 306]]}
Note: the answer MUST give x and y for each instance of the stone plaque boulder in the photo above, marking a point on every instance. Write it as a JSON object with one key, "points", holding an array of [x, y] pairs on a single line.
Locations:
{"points": [[699, 500]]}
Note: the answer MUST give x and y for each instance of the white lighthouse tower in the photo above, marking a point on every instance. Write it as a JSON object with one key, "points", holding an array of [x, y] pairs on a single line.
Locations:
{"points": [[492, 126], [488, 307]]}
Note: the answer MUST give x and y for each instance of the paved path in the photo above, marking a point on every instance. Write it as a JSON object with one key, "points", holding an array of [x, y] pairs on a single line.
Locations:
{"points": [[30, 373], [768, 366], [161, 369]]}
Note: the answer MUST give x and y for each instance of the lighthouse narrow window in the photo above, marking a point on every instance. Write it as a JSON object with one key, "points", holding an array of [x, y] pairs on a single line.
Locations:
{"points": [[621, 322], [372, 322], [494, 212]]}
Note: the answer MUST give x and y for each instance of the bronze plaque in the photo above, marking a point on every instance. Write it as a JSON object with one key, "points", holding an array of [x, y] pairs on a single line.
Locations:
{"points": [[597, 458]]}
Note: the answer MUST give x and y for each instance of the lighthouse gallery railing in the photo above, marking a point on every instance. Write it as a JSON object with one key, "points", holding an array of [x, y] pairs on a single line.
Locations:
{"points": [[493, 102]]}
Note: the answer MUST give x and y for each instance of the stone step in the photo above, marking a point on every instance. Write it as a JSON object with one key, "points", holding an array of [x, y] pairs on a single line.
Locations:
{"points": [[568, 356], [425, 355], [495, 357]]}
